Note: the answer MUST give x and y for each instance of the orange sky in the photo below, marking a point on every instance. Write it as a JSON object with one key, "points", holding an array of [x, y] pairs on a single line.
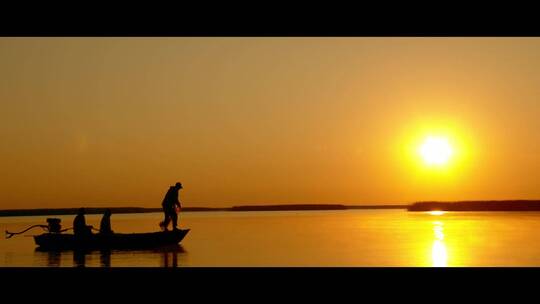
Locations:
{"points": [[115, 121]]}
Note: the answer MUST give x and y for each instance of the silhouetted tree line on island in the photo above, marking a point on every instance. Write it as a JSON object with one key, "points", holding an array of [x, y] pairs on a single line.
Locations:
{"points": [[506, 205], [119, 210]]}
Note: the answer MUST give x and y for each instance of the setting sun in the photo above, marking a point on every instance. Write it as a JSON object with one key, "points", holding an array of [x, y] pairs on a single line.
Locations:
{"points": [[436, 151]]}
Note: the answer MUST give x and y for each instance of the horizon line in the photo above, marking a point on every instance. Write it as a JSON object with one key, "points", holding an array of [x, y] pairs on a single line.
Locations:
{"points": [[275, 205]]}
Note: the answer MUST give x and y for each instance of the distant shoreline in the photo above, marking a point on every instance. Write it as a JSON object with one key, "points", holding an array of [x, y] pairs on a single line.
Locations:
{"points": [[504, 205], [123, 210]]}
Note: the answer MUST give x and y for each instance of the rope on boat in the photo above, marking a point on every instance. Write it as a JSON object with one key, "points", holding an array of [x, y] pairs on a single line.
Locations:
{"points": [[10, 234], [44, 227]]}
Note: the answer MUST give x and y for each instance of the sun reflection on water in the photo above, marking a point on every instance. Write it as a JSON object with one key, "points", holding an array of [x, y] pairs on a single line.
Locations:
{"points": [[439, 253], [436, 212]]}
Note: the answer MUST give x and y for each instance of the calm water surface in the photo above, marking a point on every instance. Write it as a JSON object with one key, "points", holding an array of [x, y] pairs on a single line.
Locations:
{"points": [[303, 238]]}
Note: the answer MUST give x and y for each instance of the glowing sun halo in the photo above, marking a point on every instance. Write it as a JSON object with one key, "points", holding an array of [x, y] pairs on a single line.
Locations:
{"points": [[435, 151]]}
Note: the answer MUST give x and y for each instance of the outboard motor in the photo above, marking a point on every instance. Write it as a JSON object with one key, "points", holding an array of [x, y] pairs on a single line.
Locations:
{"points": [[54, 225]]}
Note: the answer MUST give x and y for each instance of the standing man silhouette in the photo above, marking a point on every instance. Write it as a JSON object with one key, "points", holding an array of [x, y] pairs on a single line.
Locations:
{"points": [[169, 204]]}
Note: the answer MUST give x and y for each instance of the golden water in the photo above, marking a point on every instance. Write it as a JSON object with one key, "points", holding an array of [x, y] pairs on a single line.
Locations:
{"points": [[304, 238]]}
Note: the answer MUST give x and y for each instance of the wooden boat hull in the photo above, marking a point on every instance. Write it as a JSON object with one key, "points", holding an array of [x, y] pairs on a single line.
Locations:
{"points": [[55, 241]]}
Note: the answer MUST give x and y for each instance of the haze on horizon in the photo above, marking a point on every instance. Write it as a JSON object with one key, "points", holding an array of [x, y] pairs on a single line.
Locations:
{"points": [[115, 121]]}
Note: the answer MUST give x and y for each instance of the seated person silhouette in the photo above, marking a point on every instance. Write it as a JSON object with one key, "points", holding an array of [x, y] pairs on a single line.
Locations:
{"points": [[105, 225], [80, 229]]}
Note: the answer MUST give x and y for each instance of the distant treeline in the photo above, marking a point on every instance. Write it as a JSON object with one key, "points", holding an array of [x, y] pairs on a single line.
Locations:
{"points": [[313, 207], [288, 207], [506, 205], [68, 211], [118, 210], [91, 210]]}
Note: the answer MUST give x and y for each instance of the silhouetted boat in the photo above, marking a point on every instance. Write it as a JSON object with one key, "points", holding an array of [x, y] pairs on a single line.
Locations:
{"points": [[55, 241]]}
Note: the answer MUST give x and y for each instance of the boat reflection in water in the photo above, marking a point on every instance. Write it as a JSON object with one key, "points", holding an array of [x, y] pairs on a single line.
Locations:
{"points": [[105, 258], [79, 258], [163, 257], [169, 255], [54, 258]]}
